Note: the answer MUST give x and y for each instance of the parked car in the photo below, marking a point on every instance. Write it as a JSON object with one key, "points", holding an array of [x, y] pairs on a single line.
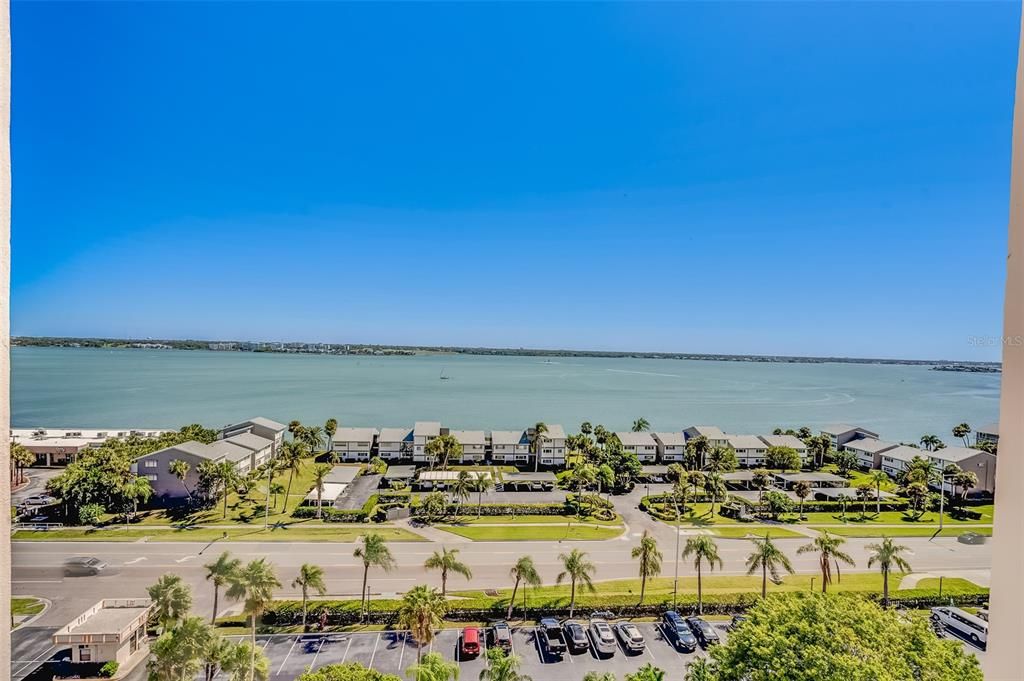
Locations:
{"points": [[39, 500], [552, 639], [630, 637], [501, 635], [602, 637], [83, 566], [678, 631], [737, 620], [702, 629], [470, 642], [576, 637]]}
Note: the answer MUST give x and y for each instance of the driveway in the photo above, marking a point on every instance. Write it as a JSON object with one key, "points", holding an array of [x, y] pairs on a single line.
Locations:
{"points": [[358, 492]]}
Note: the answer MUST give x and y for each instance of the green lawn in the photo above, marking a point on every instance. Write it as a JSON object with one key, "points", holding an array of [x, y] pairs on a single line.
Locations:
{"points": [[293, 532], [951, 585], [532, 533], [26, 606], [909, 531], [898, 517], [744, 531]]}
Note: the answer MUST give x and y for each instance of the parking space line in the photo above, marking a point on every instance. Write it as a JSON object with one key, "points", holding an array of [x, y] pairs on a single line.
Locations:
{"points": [[401, 654], [312, 665], [664, 633], [285, 660], [536, 642], [376, 641], [345, 656]]}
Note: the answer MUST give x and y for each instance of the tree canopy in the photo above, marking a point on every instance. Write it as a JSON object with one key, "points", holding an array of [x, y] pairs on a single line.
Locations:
{"points": [[350, 671]]}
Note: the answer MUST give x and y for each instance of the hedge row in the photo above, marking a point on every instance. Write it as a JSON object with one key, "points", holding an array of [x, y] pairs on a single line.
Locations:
{"points": [[332, 515], [504, 509], [287, 613]]}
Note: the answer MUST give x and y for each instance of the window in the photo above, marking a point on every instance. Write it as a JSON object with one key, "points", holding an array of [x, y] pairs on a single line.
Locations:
{"points": [[152, 478], [151, 463], [85, 654]]}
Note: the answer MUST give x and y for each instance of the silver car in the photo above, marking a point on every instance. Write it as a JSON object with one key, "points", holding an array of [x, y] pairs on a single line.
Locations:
{"points": [[631, 638], [602, 637]]}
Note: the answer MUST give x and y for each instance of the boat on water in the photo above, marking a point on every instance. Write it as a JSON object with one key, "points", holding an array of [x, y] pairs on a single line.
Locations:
{"points": [[443, 376]]}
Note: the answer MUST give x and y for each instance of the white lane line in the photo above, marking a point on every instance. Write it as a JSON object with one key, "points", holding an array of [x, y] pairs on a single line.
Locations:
{"points": [[285, 660], [49, 651], [136, 560], [182, 560], [345, 656], [374, 653], [312, 664], [401, 654], [536, 641]]}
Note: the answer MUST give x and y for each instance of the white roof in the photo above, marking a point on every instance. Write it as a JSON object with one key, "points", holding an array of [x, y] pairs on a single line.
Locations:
{"points": [[355, 434], [508, 437], [249, 441], [266, 423], [870, 445], [904, 453], [791, 441], [710, 432], [673, 439], [745, 442], [469, 437], [69, 442], [394, 434], [427, 428], [843, 428], [631, 439], [343, 474], [332, 490], [437, 476], [555, 432], [955, 454]]}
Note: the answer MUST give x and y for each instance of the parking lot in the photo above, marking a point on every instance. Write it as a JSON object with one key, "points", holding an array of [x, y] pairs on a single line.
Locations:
{"points": [[393, 652]]}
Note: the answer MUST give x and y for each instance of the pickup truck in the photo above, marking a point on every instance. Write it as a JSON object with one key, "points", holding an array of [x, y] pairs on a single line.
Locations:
{"points": [[552, 638]]}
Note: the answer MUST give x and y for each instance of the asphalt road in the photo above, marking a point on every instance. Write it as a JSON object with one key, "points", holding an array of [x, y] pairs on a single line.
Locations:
{"points": [[37, 566]]}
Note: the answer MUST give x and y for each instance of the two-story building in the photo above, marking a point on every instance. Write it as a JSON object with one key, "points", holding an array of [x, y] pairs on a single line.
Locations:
{"points": [[263, 427], [841, 433], [261, 448], [713, 434], [671, 446], [166, 486], [474, 444], [642, 444], [987, 433], [551, 448], [423, 433], [394, 444], [750, 450], [510, 447], [791, 441], [353, 444], [981, 463], [895, 460], [869, 451]]}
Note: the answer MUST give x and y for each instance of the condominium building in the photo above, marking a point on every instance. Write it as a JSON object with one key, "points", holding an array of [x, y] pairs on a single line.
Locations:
{"points": [[423, 433], [394, 444], [987, 433], [791, 441], [263, 427], [474, 444], [642, 444], [510, 446], [841, 433], [750, 450], [671, 446], [713, 434], [353, 444], [552, 446], [155, 466], [869, 450]]}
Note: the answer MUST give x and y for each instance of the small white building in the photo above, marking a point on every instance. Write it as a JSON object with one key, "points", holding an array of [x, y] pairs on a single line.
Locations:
{"points": [[750, 450], [423, 433], [552, 446], [353, 444], [474, 444], [791, 441], [394, 444], [510, 446], [113, 630], [642, 444], [671, 446], [869, 450]]}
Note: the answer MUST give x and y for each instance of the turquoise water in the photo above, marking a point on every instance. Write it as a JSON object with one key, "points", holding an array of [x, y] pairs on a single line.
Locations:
{"points": [[167, 388]]}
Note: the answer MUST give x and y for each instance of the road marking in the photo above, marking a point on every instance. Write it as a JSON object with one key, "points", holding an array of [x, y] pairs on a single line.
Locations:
{"points": [[136, 560], [345, 656], [49, 651], [285, 660], [182, 560], [312, 665], [401, 654], [374, 653], [536, 641]]}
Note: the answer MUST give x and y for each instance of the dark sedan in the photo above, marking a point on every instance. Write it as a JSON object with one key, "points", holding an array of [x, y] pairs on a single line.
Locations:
{"points": [[702, 629], [576, 637], [678, 631]]}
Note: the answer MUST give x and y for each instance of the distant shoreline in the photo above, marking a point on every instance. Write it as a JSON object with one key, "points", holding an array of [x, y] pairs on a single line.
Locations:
{"points": [[402, 350]]}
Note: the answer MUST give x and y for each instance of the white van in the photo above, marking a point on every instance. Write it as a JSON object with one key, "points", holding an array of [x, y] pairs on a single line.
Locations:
{"points": [[974, 629]]}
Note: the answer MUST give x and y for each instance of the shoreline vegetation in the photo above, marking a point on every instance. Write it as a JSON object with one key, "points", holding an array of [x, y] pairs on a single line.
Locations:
{"points": [[406, 350]]}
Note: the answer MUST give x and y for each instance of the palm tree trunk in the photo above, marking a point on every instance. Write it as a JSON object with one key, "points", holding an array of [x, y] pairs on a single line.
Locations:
{"points": [[216, 596], [512, 600], [362, 594], [824, 574], [700, 592], [479, 502], [764, 581], [444, 583], [643, 586], [878, 500], [885, 588], [319, 503], [252, 658], [288, 493], [303, 609], [225, 500], [572, 599]]}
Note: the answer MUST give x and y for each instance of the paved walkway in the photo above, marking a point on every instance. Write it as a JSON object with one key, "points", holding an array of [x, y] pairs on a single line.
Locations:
{"points": [[431, 533]]}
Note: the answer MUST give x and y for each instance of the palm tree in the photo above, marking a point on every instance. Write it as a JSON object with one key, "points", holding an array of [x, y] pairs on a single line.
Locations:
{"points": [[767, 558], [21, 457], [433, 667], [641, 425], [320, 473], [312, 437], [374, 553], [502, 667], [481, 483], [526, 572], [721, 459], [310, 577], [443, 449], [650, 560], [462, 488], [330, 429], [599, 676], [647, 673], [220, 572], [878, 476], [254, 585], [421, 613], [219, 651], [172, 599], [701, 669], [931, 442], [576, 568], [539, 430], [696, 450], [179, 653], [802, 490], [761, 479], [291, 457], [827, 547], [863, 493], [582, 475], [887, 555], [180, 469], [679, 492], [447, 561], [715, 488], [242, 661], [703, 549], [294, 428], [962, 431]]}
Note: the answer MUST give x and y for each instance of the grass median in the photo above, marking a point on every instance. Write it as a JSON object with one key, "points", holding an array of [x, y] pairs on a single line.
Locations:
{"points": [[550, 532], [910, 531], [305, 533]]}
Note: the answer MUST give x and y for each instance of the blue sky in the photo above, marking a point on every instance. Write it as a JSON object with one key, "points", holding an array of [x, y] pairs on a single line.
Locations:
{"points": [[815, 179]]}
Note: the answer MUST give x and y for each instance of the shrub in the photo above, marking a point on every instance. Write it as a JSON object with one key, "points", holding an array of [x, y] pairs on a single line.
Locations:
{"points": [[332, 515], [109, 669], [90, 514], [505, 509]]}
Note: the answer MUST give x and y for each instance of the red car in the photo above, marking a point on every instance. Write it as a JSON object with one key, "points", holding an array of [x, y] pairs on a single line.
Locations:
{"points": [[470, 642]]}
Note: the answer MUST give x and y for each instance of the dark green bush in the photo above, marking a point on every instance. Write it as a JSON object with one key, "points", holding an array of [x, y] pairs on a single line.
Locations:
{"points": [[332, 515], [109, 669]]}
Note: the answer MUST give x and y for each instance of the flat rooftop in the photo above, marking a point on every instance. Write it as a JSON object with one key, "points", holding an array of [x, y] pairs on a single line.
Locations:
{"points": [[630, 439], [540, 476], [400, 473], [342, 474], [108, 617], [442, 476]]}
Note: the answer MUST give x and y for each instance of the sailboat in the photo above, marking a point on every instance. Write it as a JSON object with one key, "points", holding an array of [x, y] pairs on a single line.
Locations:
{"points": [[443, 377]]}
